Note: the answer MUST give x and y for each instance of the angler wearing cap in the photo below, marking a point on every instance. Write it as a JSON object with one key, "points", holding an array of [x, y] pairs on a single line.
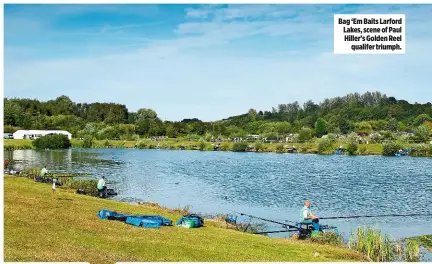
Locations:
{"points": [[307, 217]]}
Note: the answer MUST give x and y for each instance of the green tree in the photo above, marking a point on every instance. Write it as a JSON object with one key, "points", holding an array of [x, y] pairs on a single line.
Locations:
{"points": [[234, 131], [90, 130], [239, 147], [63, 105], [147, 122], [254, 127], [352, 144], [109, 132], [252, 114], [13, 113], [422, 133], [320, 127], [88, 142], [393, 125], [390, 148], [283, 128], [325, 145], [364, 128], [156, 128], [268, 127], [170, 131], [420, 119], [305, 134], [145, 113], [345, 126]]}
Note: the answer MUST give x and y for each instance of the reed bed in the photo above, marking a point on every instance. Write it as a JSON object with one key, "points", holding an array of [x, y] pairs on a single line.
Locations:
{"points": [[379, 247]]}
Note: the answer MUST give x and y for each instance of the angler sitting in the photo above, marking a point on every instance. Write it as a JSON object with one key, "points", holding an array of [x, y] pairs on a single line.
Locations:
{"points": [[306, 217], [102, 189]]}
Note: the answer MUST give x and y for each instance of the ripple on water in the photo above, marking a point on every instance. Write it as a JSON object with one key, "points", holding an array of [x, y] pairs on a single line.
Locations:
{"points": [[271, 185]]}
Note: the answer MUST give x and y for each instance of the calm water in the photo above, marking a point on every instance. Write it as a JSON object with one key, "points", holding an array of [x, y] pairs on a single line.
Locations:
{"points": [[268, 185]]}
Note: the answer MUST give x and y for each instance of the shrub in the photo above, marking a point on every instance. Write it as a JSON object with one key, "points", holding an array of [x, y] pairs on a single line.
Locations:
{"points": [[352, 145], [388, 135], [411, 252], [332, 137], [364, 127], [305, 134], [88, 142], [279, 148], [89, 186], [106, 143], [141, 144], [239, 147], [321, 127], [193, 137], [9, 129], [202, 145], [259, 146], [225, 146], [390, 148], [421, 150], [324, 145], [373, 244], [376, 138], [52, 142], [330, 238], [422, 133]]}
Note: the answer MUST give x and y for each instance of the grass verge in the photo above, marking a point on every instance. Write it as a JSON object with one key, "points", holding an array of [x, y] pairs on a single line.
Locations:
{"points": [[307, 148], [40, 228]]}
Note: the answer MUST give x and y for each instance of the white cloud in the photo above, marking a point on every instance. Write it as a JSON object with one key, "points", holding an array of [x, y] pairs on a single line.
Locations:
{"points": [[176, 85], [178, 82]]}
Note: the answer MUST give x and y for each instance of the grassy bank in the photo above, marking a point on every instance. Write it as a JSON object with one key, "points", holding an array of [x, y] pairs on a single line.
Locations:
{"points": [[311, 148], [39, 228], [424, 150]]}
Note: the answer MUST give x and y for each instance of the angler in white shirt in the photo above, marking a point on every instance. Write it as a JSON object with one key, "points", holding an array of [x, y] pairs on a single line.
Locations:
{"points": [[54, 187]]}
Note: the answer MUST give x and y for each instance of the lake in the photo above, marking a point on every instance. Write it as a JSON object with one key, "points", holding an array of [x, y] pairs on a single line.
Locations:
{"points": [[268, 185]]}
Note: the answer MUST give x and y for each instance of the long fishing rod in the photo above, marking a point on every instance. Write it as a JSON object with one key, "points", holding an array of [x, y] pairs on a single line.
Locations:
{"points": [[365, 216], [267, 220], [277, 231]]}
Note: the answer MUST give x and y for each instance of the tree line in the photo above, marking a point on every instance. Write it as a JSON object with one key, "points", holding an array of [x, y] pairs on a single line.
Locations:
{"points": [[361, 113]]}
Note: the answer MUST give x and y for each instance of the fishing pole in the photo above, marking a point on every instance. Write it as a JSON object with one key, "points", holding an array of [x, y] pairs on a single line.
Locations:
{"points": [[277, 231], [268, 220], [365, 216]]}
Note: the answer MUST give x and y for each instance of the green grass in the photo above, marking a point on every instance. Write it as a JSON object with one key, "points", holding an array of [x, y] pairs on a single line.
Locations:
{"points": [[372, 243], [424, 241], [40, 228], [15, 144], [307, 148]]}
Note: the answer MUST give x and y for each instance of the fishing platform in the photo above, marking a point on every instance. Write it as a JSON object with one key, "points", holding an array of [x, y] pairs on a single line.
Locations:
{"points": [[303, 230]]}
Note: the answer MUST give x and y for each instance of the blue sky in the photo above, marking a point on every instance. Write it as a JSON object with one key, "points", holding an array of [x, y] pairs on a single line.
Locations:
{"points": [[204, 61]]}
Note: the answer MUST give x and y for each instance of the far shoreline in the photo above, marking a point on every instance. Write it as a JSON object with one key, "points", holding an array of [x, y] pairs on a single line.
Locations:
{"points": [[278, 148]]}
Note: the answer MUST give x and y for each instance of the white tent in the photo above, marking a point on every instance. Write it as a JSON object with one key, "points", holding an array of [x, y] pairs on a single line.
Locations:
{"points": [[33, 134]]}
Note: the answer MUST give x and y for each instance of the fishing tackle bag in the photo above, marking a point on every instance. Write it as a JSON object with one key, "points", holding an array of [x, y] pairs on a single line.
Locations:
{"points": [[146, 221], [191, 221]]}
